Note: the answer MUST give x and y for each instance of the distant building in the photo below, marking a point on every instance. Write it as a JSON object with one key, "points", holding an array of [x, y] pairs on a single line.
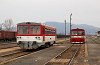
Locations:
{"points": [[98, 33]]}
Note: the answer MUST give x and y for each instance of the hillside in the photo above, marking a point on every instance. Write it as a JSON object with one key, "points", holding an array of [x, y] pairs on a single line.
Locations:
{"points": [[60, 27]]}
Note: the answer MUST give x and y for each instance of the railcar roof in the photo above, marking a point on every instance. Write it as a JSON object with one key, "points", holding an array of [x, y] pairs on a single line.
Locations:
{"points": [[26, 23], [77, 29], [34, 23]]}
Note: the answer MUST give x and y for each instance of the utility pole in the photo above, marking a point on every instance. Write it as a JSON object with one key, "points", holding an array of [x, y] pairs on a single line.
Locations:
{"points": [[70, 23], [65, 29]]}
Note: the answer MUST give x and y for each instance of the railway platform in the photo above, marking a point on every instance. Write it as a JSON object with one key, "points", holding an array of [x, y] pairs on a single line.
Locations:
{"points": [[94, 54]]}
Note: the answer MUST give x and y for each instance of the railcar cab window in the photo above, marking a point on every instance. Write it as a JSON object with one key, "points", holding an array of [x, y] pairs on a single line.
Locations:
{"points": [[74, 32], [34, 29], [77, 33], [23, 29], [80, 33]]}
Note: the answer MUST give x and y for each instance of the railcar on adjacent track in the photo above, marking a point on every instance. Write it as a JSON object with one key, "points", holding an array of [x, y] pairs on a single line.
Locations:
{"points": [[32, 35], [77, 36], [7, 35]]}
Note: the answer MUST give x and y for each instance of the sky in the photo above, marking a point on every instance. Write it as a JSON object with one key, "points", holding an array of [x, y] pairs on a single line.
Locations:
{"points": [[83, 11]]}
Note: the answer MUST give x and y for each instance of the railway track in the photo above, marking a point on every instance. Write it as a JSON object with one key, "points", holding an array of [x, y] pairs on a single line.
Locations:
{"points": [[75, 53], [7, 45], [6, 57], [4, 50], [13, 55], [66, 57]]}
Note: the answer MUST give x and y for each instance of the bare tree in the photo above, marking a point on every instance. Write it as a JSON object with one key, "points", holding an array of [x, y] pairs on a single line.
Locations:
{"points": [[8, 24]]}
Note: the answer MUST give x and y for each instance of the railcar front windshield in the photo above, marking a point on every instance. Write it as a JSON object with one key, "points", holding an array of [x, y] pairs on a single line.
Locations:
{"points": [[78, 33], [22, 29], [28, 29], [34, 29]]}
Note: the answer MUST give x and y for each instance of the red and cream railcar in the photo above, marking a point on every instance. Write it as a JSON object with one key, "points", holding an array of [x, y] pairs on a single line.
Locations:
{"points": [[77, 36], [32, 35]]}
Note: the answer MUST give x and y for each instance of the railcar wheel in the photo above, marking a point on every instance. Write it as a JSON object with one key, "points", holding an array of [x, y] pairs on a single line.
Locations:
{"points": [[47, 45], [52, 43]]}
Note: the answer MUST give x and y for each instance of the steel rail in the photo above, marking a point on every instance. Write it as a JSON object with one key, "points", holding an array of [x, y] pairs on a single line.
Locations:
{"points": [[59, 54], [69, 63], [10, 54]]}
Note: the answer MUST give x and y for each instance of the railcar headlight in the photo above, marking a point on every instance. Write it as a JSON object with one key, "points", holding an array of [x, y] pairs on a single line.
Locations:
{"points": [[38, 38], [18, 37]]}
